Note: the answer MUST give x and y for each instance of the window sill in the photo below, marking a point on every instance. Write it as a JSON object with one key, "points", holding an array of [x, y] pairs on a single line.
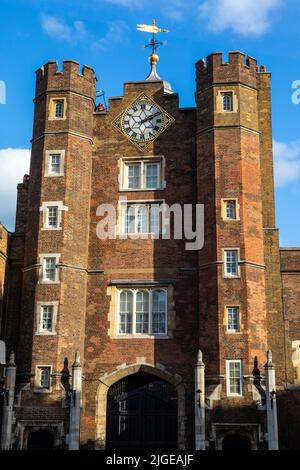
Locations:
{"points": [[228, 276], [129, 190], [137, 336], [225, 219], [53, 175], [51, 229], [42, 390], [57, 118], [49, 282], [45, 333]]}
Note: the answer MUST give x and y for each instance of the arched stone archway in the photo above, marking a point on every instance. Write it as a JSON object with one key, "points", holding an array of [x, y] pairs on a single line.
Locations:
{"points": [[107, 380]]}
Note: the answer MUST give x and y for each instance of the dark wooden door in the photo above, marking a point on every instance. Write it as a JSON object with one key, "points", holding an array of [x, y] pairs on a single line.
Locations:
{"points": [[40, 440], [142, 414]]}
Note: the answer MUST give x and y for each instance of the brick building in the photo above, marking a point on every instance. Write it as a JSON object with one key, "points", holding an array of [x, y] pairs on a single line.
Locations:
{"points": [[170, 342]]}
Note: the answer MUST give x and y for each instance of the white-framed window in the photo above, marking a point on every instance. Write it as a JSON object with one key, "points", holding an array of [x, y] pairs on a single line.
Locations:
{"points": [[133, 176], [141, 218], [151, 175], [54, 163], [231, 262], [227, 102], [46, 315], [234, 377], [52, 217], [142, 175], [47, 312], [142, 311], [233, 319], [52, 214], [49, 269], [49, 273], [43, 378]]}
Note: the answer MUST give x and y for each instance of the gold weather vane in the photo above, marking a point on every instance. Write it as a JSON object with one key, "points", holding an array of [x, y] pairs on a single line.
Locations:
{"points": [[154, 44], [152, 28]]}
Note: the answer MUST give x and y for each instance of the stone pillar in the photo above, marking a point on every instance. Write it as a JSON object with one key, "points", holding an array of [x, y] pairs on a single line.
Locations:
{"points": [[8, 406], [200, 403], [271, 403], [74, 430]]}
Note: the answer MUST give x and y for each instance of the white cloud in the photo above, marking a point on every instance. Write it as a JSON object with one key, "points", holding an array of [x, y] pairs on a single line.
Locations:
{"points": [[286, 162], [245, 17], [14, 163], [58, 29], [115, 34]]}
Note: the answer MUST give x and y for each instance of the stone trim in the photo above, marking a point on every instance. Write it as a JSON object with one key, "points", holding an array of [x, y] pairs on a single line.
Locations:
{"points": [[24, 428], [221, 430]]}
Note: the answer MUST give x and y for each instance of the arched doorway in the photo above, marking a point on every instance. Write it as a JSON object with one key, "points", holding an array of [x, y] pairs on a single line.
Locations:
{"points": [[141, 413], [40, 440], [236, 441]]}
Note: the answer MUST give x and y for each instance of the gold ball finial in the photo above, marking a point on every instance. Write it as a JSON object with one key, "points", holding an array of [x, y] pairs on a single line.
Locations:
{"points": [[153, 58]]}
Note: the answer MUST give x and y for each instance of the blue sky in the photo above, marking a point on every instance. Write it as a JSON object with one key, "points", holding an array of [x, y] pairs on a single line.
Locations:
{"points": [[102, 34]]}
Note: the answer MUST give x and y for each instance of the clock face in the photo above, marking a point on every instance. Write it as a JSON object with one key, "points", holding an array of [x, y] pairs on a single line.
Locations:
{"points": [[143, 121]]}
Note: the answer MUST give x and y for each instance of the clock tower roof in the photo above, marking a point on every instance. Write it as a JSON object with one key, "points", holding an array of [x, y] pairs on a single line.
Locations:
{"points": [[154, 77]]}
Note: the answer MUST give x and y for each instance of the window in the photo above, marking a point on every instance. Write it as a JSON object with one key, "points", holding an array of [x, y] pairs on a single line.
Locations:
{"points": [[233, 319], [139, 219], [142, 312], [142, 175], [227, 102], [55, 163], [47, 318], [234, 377], [151, 175], [46, 315], [126, 312], [231, 263], [134, 176], [52, 217], [52, 214], [59, 109], [43, 380], [49, 269], [230, 209]]}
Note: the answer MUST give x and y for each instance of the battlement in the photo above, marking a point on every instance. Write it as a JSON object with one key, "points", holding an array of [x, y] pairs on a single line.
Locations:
{"points": [[239, 68], [50, 78]]}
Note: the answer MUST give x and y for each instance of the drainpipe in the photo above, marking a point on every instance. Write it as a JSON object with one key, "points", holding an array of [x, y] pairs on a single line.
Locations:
{"points": [[74, 430], [200, 403], [8, 405], [271, 403]]}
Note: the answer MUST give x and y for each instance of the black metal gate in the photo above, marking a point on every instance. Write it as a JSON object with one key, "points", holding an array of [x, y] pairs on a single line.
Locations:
{"points": [[142, 414]]}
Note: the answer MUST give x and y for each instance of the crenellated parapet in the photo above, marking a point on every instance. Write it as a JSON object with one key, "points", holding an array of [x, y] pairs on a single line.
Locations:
{"points": [[49, 78], [239, 69]]}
